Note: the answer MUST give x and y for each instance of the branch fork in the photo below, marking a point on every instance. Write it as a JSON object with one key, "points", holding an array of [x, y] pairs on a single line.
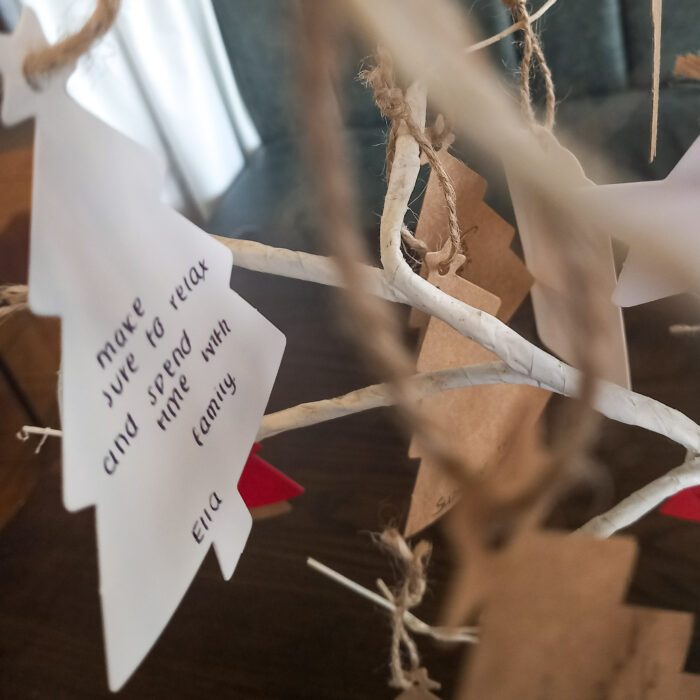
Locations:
{"points": [[522, 362]]}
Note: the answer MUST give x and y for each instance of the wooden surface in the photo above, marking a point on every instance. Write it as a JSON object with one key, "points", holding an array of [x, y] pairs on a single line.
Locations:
{"points": [[29, 346], [278, 629], [29, 359]]}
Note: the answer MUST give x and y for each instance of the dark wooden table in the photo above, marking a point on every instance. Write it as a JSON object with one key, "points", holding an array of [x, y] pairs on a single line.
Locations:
{"points": [[278, 629]]}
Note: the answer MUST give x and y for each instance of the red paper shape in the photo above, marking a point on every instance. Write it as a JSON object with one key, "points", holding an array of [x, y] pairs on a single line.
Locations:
{"points": [[262, 485], [684, 505]]}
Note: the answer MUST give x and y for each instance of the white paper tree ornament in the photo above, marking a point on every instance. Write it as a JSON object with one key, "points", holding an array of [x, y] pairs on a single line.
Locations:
{"points": [[671, 205], [166, 371]]}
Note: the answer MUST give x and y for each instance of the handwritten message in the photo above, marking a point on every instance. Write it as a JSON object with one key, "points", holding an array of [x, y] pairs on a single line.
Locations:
{"points": [[169, 386], [166, 372]]}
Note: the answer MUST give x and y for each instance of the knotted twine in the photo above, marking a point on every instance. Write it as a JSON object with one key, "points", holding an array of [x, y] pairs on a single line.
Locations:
{"points": [[413, 564], [532, 49], [391, 102], [68, 50]]}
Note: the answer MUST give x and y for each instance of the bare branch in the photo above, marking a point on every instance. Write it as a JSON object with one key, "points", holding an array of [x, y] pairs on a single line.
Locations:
{"points": [[633, 507]]}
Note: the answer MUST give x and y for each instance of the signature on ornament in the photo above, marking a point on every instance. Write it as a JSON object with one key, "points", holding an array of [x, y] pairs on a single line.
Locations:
{"points": [[445, 502]]}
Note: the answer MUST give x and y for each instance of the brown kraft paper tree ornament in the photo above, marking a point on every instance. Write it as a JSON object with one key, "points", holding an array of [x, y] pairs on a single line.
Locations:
{"points": [[480, 421], [551, 608]]}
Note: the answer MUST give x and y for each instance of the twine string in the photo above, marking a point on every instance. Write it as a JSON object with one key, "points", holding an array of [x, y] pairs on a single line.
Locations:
{"points": [[451, 635], [532, 52], [71, 48], [409, 594], [392, 105]]}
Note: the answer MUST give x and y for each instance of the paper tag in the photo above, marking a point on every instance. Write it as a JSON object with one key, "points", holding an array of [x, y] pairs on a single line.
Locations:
{"points": [[537, 224], [480, 421], [564, 628], [166, 371], [670, 207], [492, 265]]}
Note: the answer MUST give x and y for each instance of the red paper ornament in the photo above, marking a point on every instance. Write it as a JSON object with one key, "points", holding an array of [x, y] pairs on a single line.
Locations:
{"points": [[263, 485], [685, 505]]}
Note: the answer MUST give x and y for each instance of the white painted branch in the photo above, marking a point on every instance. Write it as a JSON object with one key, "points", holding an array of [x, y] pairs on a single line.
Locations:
{"points": [[518, 353], [302, 266], [379, 395], [28, 430], [45, 433], [624, 514], [632, 508], [619, 404], [625, 404], [524, 358]]}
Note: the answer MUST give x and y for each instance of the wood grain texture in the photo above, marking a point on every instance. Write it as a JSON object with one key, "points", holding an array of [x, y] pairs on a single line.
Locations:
{"points": [[20, 468], [16, 156], [29, 346]]}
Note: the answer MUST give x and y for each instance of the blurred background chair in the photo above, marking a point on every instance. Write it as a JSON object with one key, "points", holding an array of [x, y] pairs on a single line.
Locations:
{"points": [[210, 85], [600, 53]]}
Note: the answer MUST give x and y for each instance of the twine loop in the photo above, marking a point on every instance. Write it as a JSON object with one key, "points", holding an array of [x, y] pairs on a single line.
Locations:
{"points": [[69, 50], [392, 105], [532, 53]]}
